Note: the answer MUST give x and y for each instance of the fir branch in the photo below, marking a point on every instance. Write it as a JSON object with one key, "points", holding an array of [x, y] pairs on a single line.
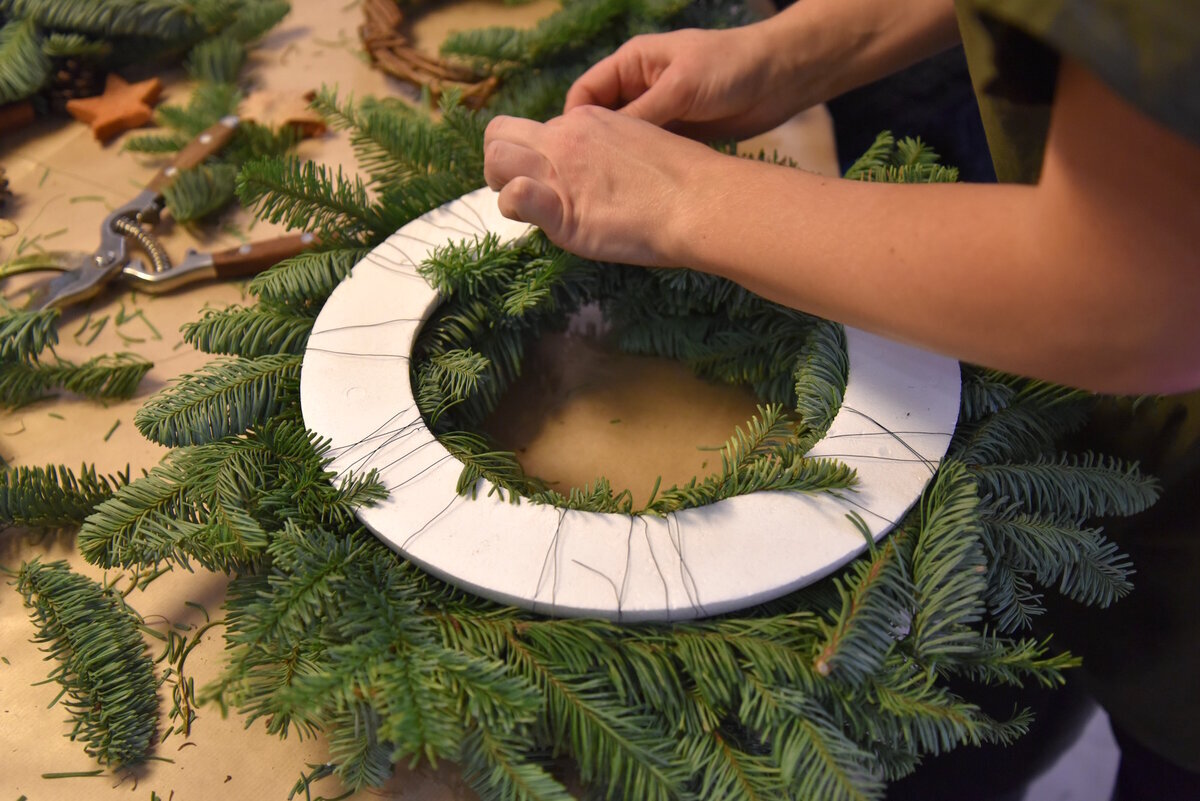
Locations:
{"points": [[257, 677], [216, 503], [606, 739], [103, 667], [456, 373], [172, 20], [906, 161], [480, 460], [261, 330], [1002, 660], [536, 94], [1038, 416], [1087, 568], [53, 497], [914, 174], [418, 714], [361, 758], [306, 568], [758, 349], [534, 286], [818, 760], [495, 768], [725, 770], [771, 648], [1069, 486], [763, 437], [73, 45], [765, 457], [107, 377], [142, 523], [925, 716], [156, 144], [820, 378], [208, 104], [876, 157], [306, 279], [1011, 599], [253, 20], [25, 333], [198, 192], [490, 694], [948, 568], [205, 107], [311, 494], [472, 266], [395, 143], [875, 611], [576, 25], [306, 196], [402, 202], [386, 655], [26, 66], [598, 496], [255, 141], [216, 60], [985, 392], [1099, 576], [225, 397]]}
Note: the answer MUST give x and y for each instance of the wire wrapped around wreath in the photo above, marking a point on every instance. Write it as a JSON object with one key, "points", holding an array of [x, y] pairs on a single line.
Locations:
{"points": [[828, 693]]}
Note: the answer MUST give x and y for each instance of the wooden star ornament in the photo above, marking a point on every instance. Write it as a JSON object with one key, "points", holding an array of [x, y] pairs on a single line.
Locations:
{"points": [[123, 106], [285, 109]]}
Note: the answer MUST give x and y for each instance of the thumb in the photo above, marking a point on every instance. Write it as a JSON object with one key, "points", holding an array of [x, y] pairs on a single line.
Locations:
{"points": [[525, 200], [660, 104]]}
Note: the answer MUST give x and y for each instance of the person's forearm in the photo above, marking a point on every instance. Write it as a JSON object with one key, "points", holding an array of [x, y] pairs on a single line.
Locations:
{"points": [[828, 47], [964, 270], [1091, 278]]}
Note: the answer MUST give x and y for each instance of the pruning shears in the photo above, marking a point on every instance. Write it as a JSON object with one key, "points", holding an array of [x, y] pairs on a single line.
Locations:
{"points": [[85, 274]]}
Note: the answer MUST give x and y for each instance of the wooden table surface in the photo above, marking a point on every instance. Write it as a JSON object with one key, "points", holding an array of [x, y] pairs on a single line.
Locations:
{"points": [[64, 184]]}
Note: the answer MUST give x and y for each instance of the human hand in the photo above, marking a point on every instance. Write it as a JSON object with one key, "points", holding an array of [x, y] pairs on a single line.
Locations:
{"points": [[600, 184], [700, 83]]}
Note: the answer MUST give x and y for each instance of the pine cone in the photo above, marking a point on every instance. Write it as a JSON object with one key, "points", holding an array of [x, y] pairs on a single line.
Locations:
{"points": [[73, 78]]}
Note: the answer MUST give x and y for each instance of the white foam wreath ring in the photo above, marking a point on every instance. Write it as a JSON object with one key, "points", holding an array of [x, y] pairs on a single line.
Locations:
{"points": [[894, 426]]}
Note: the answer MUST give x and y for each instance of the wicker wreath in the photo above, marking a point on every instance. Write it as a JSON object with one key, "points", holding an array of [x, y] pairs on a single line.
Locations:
{"points": [[386, 34]]}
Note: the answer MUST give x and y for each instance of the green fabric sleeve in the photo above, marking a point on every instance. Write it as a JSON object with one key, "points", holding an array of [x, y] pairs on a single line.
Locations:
{"points": [[1140, 658], [1147, 51]]}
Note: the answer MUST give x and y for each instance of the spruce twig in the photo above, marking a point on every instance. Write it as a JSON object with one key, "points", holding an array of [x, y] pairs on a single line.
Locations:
{"points": [[53, 497], [104, 670]]}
